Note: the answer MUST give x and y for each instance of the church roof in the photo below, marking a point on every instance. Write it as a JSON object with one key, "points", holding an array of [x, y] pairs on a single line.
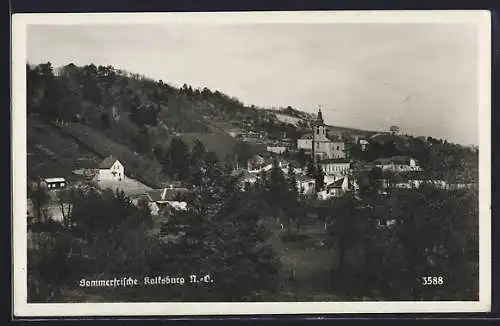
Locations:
{"points": [[308, 135], [319, 120], [335, 160]]}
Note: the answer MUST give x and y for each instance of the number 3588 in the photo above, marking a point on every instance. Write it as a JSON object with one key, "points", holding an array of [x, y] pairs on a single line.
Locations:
{"points": [[432, 280]]}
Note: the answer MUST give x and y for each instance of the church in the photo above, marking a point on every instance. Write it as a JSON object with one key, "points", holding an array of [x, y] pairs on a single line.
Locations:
{"points": [[318, 143]]}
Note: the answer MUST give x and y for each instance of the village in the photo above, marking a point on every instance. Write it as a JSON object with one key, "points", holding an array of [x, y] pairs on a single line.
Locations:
{"points": [[341, 173]]}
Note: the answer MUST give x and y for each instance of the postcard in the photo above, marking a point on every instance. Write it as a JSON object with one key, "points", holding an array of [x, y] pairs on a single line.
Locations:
{"points": [[243, 163]]}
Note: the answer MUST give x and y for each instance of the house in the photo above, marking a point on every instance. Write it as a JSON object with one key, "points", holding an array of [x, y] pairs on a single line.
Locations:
{"points": [[340, 187], [363, 143], [246, 179], [277, 149], [305, 185], [330, 178], [154, 208], [318, 142], [297, 169], [398, 164], [266, 166], [336, 166], [54, 183], [160, 199], [111, 169]]}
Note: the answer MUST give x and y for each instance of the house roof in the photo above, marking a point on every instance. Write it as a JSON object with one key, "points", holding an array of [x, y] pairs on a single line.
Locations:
{"points": [[155, 194], [267, 154], [394, 159], [335, 160], [414, 175], [49, 180], [166, 194], [294, 163], [335, 184], [108, 162], [304, 178], [338, 184], [307, 135]]}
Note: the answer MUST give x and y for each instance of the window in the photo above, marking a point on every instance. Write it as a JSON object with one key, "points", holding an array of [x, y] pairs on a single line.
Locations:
{"points": [[317, 131], [338, 147], [62, 184]]}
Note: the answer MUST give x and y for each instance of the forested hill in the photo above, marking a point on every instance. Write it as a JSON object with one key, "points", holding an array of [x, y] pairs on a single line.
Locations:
{"points": [[113, 110], [105, 97]]}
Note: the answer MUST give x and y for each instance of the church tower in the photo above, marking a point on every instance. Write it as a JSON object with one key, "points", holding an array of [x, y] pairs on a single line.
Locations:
{"points": [[319, 135], [319, 127]]}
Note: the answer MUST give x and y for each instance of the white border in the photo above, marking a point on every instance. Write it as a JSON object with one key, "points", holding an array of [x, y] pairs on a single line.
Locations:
{"points": [[19, 24]]}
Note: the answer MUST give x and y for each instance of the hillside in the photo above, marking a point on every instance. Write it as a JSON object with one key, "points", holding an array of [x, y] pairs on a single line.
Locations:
{"points": [[103, 111], [109, 98], [56, 151], [50, 154], [111, 111]]}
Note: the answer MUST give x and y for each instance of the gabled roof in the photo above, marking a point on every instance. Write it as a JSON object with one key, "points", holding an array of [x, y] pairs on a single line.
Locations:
{"points": [[338, 184], [335, 184], [158, 195], [49, 180], [335, 160], [107, 162], [304, 178], [267, 154], [155, 194], [394, 159]]}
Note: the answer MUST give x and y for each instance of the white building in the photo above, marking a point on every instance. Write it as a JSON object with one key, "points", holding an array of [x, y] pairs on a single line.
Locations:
{"points": [[110, 169], [54, 183], [305, 185], [339, 188], [336, 166], [363, 143], [398, 164], [318, 142], [159, 199], [276, 149]]}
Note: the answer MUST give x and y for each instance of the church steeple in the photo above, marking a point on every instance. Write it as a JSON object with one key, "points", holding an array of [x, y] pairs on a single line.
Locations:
{"points": [[319, 120]]}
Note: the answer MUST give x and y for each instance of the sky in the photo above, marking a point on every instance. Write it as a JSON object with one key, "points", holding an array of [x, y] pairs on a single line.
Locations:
{"points": [[420, 77]]}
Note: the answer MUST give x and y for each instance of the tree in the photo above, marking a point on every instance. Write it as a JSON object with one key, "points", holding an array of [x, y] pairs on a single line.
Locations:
{"points": [[143, 141], [39, 197], [310, 168], [302, 158], [104, 119], [319, 178], [243, 151], [198, 153], [158, 151], [221, 236], [66, 200], [179, 158]]}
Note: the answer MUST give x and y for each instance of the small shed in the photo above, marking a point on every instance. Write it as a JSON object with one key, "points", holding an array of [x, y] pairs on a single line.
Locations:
{"points": [[55, 183]]}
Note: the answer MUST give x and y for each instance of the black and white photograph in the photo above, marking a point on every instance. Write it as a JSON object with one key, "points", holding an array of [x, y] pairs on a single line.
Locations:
{"points": [[251, 163]]}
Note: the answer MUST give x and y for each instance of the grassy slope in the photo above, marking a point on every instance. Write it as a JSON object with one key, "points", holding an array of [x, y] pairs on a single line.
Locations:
{"points": [[50, 154], [70, 143]]}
